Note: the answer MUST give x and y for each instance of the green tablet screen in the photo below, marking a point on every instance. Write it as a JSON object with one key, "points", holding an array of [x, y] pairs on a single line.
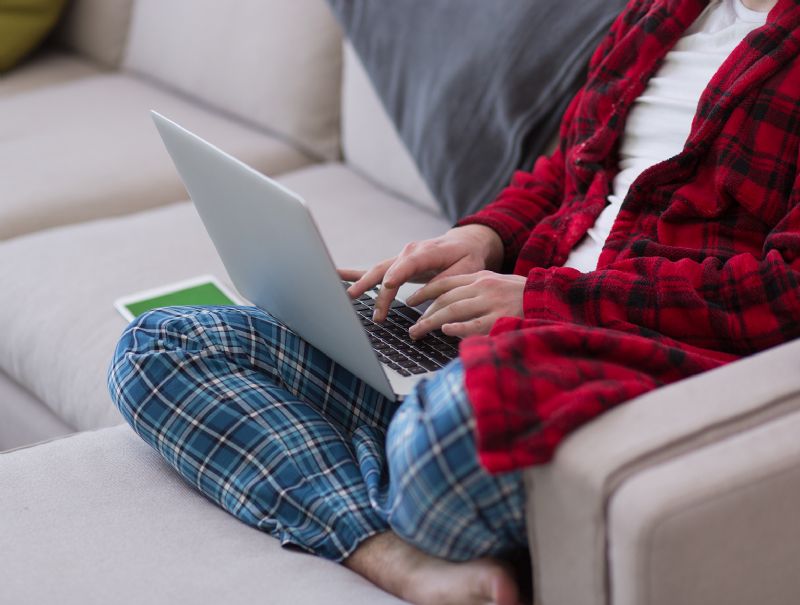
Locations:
{"points": [[201, 294]]}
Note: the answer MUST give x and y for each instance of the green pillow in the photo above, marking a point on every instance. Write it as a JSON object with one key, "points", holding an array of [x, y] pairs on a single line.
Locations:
{"points": [[23, 26]]}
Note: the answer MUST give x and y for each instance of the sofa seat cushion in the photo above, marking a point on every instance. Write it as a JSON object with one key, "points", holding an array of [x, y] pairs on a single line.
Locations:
{"points": [[88, 149], [58, 338], [45, 69], [99, 518]]}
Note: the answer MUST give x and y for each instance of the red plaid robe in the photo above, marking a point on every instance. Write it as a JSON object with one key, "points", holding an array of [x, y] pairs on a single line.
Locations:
{"points": [[700, 268]]}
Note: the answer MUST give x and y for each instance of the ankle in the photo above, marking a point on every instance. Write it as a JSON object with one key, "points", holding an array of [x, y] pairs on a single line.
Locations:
{"points": [[376, 559]]}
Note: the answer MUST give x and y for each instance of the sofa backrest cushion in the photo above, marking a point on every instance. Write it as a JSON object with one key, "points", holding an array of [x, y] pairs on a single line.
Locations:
{"points": [[475, 88], [97, 29], [370, 142], [273, 63]]}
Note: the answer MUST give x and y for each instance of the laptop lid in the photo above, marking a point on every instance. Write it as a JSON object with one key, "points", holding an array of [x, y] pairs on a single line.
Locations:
{"points": [[273, 251]]}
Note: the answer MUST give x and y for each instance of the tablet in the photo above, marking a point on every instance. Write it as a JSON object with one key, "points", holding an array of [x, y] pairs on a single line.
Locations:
{"points": [[205, 290]]}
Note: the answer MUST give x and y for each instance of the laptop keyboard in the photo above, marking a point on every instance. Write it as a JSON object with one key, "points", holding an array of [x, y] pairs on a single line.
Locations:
{"points": [[394, 346]]}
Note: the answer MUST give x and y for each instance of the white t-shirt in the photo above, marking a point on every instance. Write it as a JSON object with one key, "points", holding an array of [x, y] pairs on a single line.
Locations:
{"points": [[660, 120]]}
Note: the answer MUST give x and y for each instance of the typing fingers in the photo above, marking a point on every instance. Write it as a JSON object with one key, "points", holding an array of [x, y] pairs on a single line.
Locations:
{"points": [[412, 265], [369, 279], [457, 311], [439, 286], [350, 274], [478, 325]]}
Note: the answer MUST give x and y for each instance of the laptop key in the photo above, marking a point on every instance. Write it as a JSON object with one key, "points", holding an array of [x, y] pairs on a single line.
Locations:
{"points": [[404, 347], [394, 346], [425, 347], [393, 340], [430, 365], [406, 311], [440, 346], [393, 365], [401, 321], [443, 358], [426, 362], [397, 331], [450, 340]]}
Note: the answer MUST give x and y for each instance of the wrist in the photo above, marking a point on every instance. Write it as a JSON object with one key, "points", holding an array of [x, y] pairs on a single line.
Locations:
{"points": [[489, 243]]}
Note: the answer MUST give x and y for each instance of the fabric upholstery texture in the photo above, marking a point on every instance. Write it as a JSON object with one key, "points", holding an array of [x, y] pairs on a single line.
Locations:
{"points": [[360, 223], [717, 525], [568, 499], [96, 29], [244, 58], [23, 26], [99, 518], [88, 149], [24, 419], [74, 340], [477, 105], [370, 142], [45, 69]]}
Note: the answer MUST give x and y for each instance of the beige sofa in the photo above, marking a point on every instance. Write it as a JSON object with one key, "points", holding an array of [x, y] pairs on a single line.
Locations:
{"points": [[687, 495]]}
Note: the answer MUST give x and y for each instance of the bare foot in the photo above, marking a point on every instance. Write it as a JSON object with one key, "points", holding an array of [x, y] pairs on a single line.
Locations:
{"points": [[410, 574]]}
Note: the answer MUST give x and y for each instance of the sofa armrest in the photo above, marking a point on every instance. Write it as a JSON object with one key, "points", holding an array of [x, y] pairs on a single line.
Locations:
{"points": [[601, 516]]}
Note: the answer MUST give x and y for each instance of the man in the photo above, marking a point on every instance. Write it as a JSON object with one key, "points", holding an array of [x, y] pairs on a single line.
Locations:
{"points": [[690, 115]]}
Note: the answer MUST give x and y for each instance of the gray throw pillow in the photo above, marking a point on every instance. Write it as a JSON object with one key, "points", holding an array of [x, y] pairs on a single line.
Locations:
{"points": [[476, 88]]}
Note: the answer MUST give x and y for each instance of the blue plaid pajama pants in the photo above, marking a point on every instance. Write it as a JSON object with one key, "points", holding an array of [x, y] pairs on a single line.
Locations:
{"points": [[288, 441]]}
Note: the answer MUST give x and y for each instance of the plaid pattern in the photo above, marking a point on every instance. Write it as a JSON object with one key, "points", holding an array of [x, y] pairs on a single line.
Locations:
{"points": [[290, 442], [701, 266]]}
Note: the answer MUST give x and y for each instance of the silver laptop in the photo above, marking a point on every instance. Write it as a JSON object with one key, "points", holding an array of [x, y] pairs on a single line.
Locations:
{"points": [[275, 256]]}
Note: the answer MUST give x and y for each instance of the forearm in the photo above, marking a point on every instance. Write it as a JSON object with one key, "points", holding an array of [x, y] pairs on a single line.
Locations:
{"points": [[529, 198]]}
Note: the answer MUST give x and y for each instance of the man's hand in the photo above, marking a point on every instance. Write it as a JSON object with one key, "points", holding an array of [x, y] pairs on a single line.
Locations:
{"points": [[464, 305], [462, 250]]}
